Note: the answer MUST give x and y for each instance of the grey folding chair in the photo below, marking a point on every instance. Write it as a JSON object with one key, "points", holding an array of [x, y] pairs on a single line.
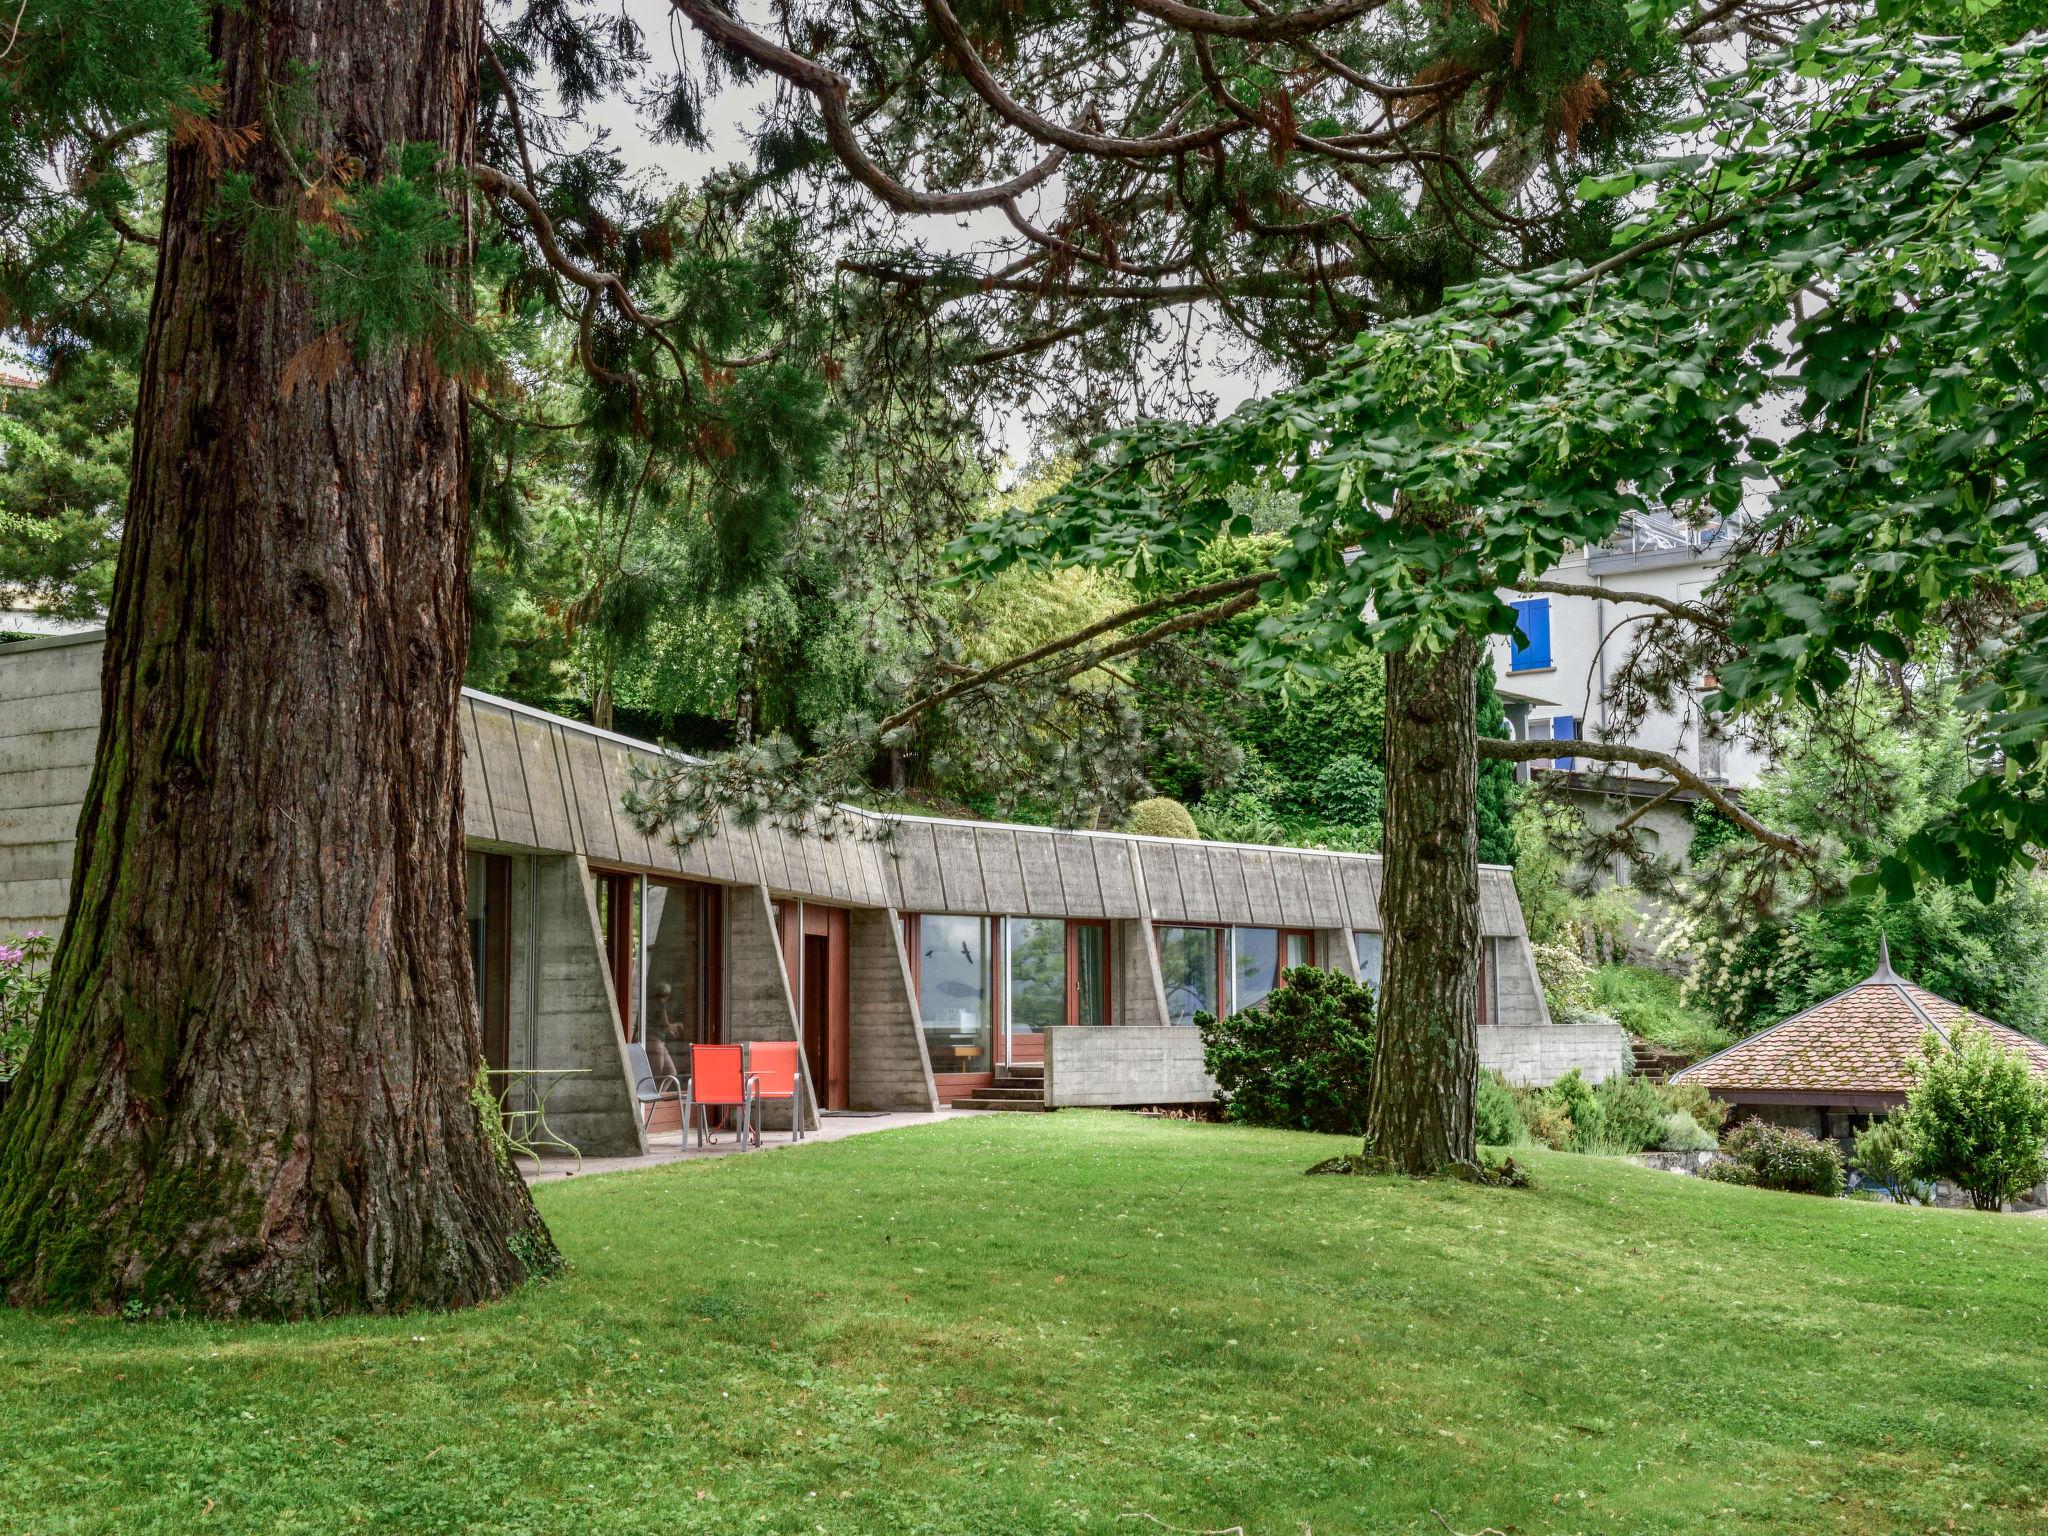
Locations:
{"points": [[650, 1092]]}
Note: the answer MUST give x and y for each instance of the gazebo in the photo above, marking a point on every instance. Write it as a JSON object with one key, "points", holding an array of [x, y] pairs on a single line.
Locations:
{"points": [[1842, 1063]]}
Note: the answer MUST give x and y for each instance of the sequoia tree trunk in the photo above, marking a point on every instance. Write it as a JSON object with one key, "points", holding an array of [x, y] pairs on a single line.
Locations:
{"points": [[1425, 1061], [250, 1093]]}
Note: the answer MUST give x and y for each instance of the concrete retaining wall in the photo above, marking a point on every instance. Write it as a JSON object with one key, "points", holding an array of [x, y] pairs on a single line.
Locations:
{"points": [[49, 727], [1125, 1064], [1536, 1055]]}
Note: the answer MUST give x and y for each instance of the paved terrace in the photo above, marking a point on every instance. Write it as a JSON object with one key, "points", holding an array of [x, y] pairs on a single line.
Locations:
{"points": [[668, 1146]]}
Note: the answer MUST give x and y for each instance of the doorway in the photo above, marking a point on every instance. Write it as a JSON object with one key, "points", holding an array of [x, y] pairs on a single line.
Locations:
{"points": [[816, 938]]}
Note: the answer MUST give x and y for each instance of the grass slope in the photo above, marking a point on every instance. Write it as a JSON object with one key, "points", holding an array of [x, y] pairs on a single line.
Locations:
{"points": [[1024, 1324]]}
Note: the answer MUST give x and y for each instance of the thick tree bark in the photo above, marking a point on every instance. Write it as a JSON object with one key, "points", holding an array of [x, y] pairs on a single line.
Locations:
{"points": [[251, 1090], [1426, 1059]]}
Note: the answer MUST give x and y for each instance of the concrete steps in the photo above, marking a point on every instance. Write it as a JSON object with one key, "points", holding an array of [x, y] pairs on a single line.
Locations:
{"points": [[1016, 1089]]}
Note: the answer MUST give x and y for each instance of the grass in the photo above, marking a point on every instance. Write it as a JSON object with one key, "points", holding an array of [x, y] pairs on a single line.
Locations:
{"points": [[1027, 1324], [1647, 1003]]}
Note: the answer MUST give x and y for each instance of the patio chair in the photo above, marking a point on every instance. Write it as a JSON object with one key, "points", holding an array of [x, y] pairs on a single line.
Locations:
{"points": [[651, 1091], [718, 1080], [775, 1075]]}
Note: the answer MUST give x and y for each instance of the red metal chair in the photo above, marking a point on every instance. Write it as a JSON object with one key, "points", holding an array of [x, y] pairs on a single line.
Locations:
{"points": [[775, 1075], [718, 1080]]}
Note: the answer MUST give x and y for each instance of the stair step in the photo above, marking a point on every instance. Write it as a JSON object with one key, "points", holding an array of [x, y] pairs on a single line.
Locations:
{"points": [[1007, 1091], [1014, 1106]]}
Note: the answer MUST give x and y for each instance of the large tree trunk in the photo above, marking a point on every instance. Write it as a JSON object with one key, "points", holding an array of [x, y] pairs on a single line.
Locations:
{"points": [[1426, 1059], [251, 1089]]}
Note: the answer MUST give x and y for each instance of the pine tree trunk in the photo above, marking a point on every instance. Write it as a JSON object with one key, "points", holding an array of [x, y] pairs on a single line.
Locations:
{"points": [[251, 1089], [1426, 1058]]}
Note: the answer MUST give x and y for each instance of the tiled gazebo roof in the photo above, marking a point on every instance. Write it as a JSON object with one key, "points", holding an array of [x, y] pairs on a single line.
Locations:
{"points": [[1856, 1044]]}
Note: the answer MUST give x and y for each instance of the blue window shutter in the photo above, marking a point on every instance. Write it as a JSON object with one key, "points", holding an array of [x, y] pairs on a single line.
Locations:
{"points": [[1564, 728], [1531, 644]]}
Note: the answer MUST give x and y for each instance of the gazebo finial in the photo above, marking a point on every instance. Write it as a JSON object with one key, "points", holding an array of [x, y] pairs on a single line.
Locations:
{"points": [[1884, 970]]}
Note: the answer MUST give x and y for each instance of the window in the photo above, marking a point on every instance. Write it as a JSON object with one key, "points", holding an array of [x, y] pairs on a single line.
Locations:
{"points": [[1371, 949], [1529, 647], [1259, 955], [1058, 975], [953, 991], [1087, 973], [1191, 963], [1038, 974], [1564, 728]]}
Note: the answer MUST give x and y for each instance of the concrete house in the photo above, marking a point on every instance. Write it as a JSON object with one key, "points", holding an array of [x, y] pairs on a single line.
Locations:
{"points": [[915, 962], [1553, 676]]}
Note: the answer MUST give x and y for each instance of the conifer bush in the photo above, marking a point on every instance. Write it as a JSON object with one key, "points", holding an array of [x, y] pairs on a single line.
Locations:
{"points": [[1299, 1061]]}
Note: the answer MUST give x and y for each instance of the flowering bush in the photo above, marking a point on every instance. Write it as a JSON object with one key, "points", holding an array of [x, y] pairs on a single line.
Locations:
{"points": [[1777, 1157], [24, 977]]}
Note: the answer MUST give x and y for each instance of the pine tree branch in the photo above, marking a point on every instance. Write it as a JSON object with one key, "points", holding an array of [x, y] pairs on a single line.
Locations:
{"points": [[1233, 587], [1688, 613], [831, 90], [1494, 750]]}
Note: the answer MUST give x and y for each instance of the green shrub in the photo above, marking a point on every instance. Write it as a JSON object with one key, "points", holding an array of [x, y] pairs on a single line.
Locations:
{"points": [[1682, 1133], [1650, 1004], [1694, 1099], [1350, 791], [1497, 1117], [1976, 1116], [1301, 1060], [1551, 1124], [1884, 1157], [1574, 1095], [1778, 1157], [1629, 1118], [1161, 817], [24, 978]]}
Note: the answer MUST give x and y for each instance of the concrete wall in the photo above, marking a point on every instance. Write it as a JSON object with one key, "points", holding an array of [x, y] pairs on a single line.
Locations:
{"points": [[1125, 1064], [759, 1004], [887, 1067], [1139, 991], [49, 727], [1534, 1056], [573, 1020]]}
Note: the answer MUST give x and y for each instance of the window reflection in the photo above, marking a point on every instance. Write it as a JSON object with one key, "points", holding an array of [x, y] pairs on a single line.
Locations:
{"points": [[953, 991], [1371, 959], [1188, 964]]}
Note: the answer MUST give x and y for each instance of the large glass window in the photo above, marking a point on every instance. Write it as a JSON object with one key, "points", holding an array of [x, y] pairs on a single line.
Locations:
{"points": [[1089, 948], [1188, 960], [953, 991], [680, 932], [1038, 974], [1372, 957], [1259, 955], [1058, 973]]}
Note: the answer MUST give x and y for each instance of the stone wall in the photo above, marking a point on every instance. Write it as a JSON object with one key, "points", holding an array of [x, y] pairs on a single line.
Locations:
{"points": [[888, 1068], [1125, 1064]]}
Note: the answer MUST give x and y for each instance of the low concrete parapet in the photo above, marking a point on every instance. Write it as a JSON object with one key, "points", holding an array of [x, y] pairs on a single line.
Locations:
{"points": [[1106, 1066]]}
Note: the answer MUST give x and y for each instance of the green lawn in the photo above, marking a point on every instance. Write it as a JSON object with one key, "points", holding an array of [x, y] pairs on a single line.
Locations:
{"points": [[1024, 1324]]}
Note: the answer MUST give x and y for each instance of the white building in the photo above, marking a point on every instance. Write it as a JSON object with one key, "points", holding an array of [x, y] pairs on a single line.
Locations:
{"points": [[1553, 676]]}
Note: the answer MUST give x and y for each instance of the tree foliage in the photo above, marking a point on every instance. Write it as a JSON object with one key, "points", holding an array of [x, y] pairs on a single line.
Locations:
{"points": [[1977, 1116]]}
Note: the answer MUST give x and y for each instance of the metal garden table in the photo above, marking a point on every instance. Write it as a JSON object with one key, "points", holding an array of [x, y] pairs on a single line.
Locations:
{"points": [[526, 1125]]}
